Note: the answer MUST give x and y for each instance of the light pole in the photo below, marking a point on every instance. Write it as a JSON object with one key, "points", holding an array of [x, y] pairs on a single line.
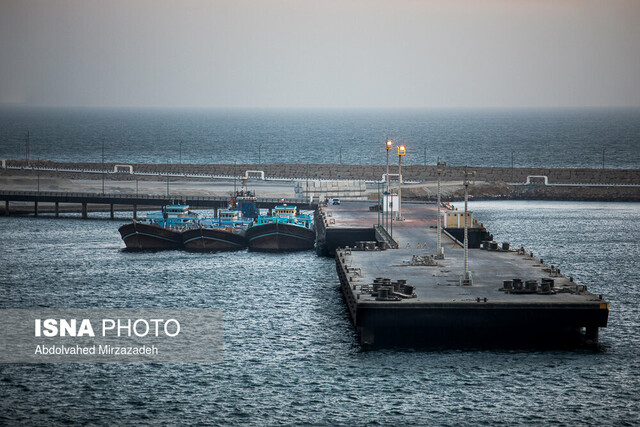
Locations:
{"points": [[467, 281], [379, 203], [103, 166], [168, 160], [440, 169], [512, 166], [425, 164], [340, 177], [259, 154], [402, 150], [307, 185], [388, 146], [27, 149], [180, 157], [603, 158]]}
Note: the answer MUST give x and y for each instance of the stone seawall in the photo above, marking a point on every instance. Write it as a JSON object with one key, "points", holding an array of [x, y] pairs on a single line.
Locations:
{"points": [[358, 172]]}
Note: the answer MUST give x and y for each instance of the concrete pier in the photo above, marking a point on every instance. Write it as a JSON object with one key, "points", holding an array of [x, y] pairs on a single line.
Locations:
{"points": [[406, 296]]}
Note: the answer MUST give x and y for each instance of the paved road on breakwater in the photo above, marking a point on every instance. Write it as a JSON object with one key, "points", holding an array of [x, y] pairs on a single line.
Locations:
{"points": [[501, 183]]}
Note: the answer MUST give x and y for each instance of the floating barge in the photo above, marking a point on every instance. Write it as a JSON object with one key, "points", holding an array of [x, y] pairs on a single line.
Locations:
{"points": [[406, 296]]}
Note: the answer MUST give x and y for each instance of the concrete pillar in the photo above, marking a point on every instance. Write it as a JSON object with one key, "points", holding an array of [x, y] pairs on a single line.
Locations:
{"points": [[111, 210], [84, 211], [135, 211], [35, 208], [57, 209], [6, 208]]}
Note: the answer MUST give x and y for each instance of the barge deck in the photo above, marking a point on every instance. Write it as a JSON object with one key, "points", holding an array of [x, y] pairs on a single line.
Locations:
{"points": [[406, 296]]}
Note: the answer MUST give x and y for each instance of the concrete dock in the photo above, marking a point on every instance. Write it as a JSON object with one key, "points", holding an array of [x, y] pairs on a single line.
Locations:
{"points": [[406, 296]]}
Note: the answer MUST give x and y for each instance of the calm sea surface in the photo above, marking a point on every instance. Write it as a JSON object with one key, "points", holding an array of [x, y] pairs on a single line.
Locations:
{"points": [[537, 138], [291, 355]]}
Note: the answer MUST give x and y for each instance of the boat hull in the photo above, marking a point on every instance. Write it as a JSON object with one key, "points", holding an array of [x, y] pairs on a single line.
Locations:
{"points": [[278, 237], [212, 239], [139, 236]]}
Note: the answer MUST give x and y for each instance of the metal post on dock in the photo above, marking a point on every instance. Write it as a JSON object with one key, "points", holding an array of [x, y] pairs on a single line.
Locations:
{"points": [[111, 210], [440, 168], [35, 208], [135, 211], [467, 280], [84, 211], [6, 208], [402, 150], [57, 209]]}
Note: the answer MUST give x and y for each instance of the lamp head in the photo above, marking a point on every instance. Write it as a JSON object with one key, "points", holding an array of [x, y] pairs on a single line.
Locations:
{"points": [[389, 144], [402, 150]]}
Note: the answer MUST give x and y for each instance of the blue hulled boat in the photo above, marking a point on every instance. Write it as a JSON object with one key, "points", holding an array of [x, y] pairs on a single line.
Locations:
{"points": [[283, 229], [227, 231], [159, 230]]}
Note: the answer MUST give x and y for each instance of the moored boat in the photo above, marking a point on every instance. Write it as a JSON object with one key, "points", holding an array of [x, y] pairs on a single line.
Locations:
{"points": [[159, 230], [227, 231], [223, 233], [285, 229]]}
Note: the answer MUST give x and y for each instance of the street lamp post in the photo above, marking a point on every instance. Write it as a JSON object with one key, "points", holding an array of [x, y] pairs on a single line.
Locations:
{"points": [[467, 281], [27, 149], [603, 158], [379, 203], [307, 185], [180, 157], [402, 150], [103, 166], [340, 177], [259, 154], [168, 177], [512, 169], [440, 169], [388, 146], [425, 164]]}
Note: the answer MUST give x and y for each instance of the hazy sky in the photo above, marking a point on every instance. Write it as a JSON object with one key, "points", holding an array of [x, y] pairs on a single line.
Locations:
{"points": [[322, 53]]}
